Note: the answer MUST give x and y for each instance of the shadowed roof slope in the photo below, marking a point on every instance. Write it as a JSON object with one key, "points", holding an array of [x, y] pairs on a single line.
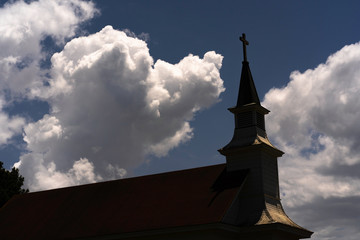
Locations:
{"points": [[180, 198]]}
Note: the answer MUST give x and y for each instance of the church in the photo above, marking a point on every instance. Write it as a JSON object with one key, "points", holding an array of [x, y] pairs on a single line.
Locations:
{"points": [[239, 199]]}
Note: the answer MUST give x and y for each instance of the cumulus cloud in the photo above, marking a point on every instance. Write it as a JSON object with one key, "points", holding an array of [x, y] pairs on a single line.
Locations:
{"points": [[111, 106], [9, 126], [47, 176], [315, 120], [23, 27]]}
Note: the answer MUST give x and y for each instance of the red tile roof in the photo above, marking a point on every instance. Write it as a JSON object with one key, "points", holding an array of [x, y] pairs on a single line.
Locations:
{"points": [[181, 198]]}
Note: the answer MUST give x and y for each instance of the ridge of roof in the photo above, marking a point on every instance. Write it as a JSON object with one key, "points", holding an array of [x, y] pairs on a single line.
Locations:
{"points": [[124, 179]]}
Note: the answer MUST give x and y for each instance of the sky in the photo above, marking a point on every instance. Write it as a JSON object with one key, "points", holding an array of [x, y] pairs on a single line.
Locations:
{"points": [[93, 91]]}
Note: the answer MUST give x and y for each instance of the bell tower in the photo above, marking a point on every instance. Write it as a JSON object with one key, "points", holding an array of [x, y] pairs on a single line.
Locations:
{"points": [[258, 204]]}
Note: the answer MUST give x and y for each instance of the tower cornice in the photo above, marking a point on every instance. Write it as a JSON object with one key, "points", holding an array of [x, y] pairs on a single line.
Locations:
{"points": [[249, 107]]}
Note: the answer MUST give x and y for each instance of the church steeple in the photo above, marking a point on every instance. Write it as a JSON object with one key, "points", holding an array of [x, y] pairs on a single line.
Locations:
{"points": [[250, 150], [249, 114]]}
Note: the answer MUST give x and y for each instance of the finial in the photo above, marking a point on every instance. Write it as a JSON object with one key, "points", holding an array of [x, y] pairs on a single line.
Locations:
{"points": [[245, 42]]}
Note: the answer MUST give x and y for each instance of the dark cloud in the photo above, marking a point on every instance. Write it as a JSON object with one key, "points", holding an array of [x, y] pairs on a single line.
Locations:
{"points": [[341, 170]]}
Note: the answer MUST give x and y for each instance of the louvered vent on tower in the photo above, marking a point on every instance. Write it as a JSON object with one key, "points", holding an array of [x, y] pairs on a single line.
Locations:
{"points": [[245, 119], [260, 121]]}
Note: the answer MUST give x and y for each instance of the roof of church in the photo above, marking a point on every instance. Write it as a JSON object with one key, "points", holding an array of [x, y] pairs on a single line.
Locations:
{"points": [[181, 198]]}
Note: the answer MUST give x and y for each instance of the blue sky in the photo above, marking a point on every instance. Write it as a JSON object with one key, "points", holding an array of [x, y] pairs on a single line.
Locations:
{"points": [[59, 118]]}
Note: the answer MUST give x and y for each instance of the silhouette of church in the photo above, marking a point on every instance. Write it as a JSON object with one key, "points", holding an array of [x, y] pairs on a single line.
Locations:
{"points": [[236, 200]]}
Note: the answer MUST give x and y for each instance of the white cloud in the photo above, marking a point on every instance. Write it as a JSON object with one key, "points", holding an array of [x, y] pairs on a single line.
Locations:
{"points": [[23, 27], [47, 176], [83, 172], [9, 126], [113, 106], [182, 135], [46, 129], [315, 121]]}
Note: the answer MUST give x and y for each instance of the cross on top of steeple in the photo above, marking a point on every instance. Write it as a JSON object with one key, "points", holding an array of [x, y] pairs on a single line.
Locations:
{"points": [[245, 42]]}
